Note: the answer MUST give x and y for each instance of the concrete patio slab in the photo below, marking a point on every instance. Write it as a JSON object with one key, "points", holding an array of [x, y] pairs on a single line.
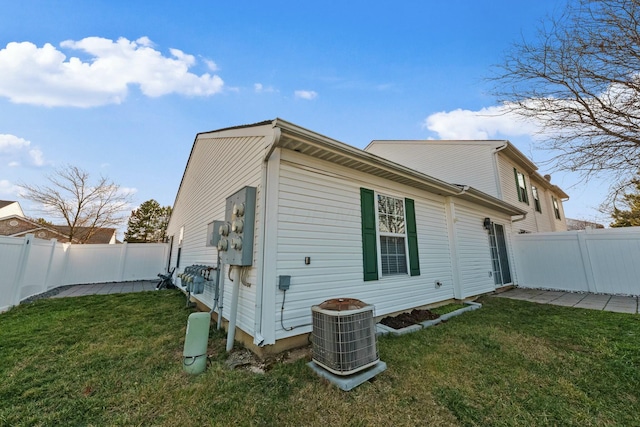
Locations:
{"points": [[622, 304], [547, 297], [569, 299], [107, 288], [615, 303], [523, 294], [594, 302]]}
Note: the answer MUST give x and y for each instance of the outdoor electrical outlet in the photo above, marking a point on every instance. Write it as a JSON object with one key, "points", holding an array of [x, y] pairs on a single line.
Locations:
{"points": [[284, 282], [307, 260]]}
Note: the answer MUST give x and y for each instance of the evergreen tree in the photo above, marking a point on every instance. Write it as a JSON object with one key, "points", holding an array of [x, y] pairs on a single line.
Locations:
{"points": [[631, 216], [148, 223]]}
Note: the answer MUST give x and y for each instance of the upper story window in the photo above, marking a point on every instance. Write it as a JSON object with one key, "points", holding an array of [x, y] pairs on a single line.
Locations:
{"points": [[521, 186], [391, 229], [556, 207], [536, 198]]}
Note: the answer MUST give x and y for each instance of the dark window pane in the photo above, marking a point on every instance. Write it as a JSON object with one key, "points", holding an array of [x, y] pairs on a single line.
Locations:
{"points": [[394, 258]]}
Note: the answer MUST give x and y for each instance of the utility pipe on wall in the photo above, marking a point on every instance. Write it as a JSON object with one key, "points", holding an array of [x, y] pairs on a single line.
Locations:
{"points": [[235, 293]]}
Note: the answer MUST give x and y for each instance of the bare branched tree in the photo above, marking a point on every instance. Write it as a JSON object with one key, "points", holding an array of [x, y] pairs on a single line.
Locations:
{"points": [[85, 206], [579, 79]]}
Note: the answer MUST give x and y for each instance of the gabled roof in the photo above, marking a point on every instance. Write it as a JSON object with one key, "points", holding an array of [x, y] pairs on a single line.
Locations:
{"points": [[6, 204], [292, 137], [302, 140], [36, 226], [101, 235]]}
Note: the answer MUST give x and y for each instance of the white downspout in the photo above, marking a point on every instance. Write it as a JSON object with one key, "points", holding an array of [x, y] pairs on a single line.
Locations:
{"points": [[497, 169], [258, 336], [518, 218]]}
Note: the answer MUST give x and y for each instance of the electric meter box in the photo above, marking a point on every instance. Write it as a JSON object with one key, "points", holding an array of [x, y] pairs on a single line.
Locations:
{"points": [[236, 234], [213, 233]]}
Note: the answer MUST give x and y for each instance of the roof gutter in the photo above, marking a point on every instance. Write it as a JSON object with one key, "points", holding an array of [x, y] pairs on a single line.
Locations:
{"points": [[275, 140], [315, 139]]}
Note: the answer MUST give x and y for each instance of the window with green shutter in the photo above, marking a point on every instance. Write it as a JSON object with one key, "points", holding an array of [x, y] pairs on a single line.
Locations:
{"points": [[536, 199], [412, 237], [369, 234], [389, 235], [556, 207], [521, 186]]}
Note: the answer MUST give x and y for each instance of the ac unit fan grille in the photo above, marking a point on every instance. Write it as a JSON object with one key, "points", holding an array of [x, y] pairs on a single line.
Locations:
{"points": [[344, 342]]}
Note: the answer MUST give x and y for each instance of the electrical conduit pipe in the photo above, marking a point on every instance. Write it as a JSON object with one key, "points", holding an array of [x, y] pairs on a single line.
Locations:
{"points": [[235, 293]]}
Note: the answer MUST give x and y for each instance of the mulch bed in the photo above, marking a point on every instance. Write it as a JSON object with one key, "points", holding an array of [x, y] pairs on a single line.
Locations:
{"points": [[403, 320]]}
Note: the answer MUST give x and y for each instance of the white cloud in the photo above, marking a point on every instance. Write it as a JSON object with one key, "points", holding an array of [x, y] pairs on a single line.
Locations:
{"points": [[305, 94], [36, 157], [7, 188], [486, 123], [126, 191], [211, 65], [15, 151], [45, 76], [259, 88], [12, 143]]}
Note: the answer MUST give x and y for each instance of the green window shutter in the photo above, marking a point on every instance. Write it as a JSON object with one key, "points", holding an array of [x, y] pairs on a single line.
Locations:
{"points": [[515, 173], [369, 234], [412, 237]]}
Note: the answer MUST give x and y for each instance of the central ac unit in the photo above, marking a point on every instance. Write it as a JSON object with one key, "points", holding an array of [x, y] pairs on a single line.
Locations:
{"points": [[344, 336]]}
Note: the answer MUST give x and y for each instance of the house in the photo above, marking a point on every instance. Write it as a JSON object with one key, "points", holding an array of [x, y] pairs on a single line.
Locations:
{"points": [[581, 224], [14, 223], [332, 221], [495, 167], [9, 208]]}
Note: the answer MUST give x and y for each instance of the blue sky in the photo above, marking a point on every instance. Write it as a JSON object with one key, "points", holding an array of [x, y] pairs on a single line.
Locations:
{"points": [[121, 88]]}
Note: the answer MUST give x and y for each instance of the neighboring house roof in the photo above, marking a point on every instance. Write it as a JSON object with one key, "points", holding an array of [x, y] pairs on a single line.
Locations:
{"points": [[101, 235], [581, 224], [17, 226], [10, 207]]}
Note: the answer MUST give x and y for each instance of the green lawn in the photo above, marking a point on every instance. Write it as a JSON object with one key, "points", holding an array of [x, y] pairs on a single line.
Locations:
{"points": [[117, 360]]}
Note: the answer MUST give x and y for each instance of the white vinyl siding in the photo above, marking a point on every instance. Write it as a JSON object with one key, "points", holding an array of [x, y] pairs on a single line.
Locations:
{"points": [[217, 168], [457, 162], [319, 217], [473, 249], [510, 193], [544, 219]]}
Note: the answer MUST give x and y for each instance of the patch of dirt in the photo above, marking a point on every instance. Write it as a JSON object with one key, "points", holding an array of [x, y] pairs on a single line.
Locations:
{"points": [[403, 320], [246, 359]]}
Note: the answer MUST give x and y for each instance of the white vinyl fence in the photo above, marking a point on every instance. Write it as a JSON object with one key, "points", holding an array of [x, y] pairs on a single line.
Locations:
{"points": [[601, 260], [29, 266]]}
